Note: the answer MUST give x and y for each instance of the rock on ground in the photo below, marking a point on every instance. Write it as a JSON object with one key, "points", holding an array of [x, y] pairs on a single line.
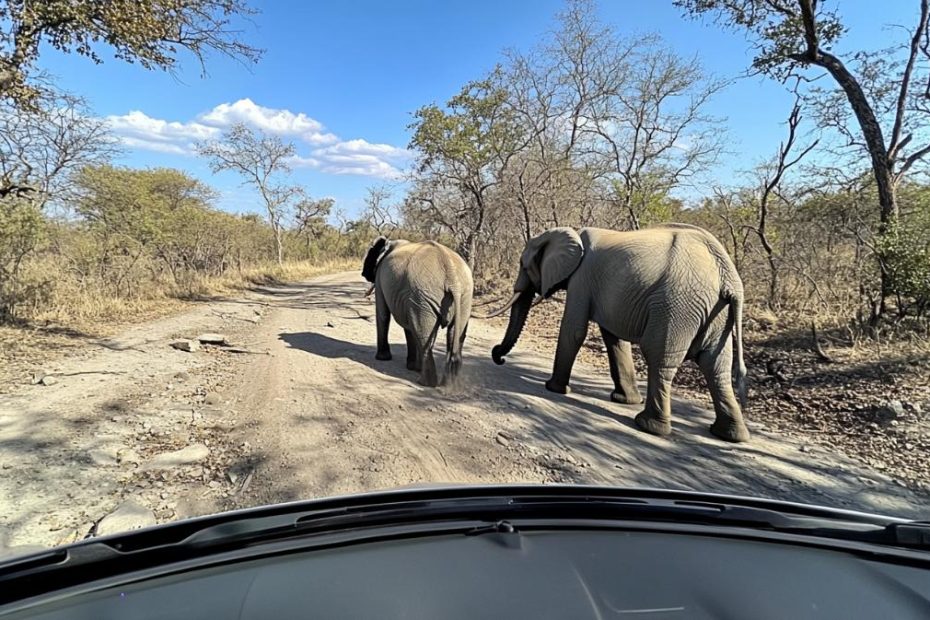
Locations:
{"points": [[212, 338], [185, 345], [105, 456], [130, 515], [190, 455]]}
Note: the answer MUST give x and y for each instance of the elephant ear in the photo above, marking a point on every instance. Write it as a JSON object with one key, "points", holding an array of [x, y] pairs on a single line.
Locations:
{"points": [[554, 255], [373, 257]]}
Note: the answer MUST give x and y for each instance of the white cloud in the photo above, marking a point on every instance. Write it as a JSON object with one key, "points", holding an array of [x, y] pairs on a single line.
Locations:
{"points": [[362, 158], [361, 147], [153, 145], [299, 161], [281, 122], [328, 153], [139, 131]]}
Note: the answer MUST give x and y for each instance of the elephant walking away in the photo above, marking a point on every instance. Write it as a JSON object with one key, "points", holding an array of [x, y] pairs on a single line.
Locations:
{"points": [[424, 286], [672, 289]]}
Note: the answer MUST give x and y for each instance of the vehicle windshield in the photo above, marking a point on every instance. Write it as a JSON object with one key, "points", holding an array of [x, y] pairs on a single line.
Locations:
{"points": [[254, 252]]}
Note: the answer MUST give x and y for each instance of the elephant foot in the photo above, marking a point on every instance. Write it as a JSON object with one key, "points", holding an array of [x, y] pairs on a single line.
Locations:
{"points": [[730, 431], [652, 425], [383, 356], [623, 399], [430, 382], [558, 388], [413, 366], [429, 379]]}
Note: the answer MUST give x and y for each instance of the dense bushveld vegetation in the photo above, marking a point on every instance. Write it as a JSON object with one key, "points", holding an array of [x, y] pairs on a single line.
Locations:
{"points": [[590, 128], [596, 129], [131, 235]]}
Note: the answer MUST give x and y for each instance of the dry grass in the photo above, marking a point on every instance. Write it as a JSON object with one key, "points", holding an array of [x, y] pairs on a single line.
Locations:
{"points": [[76, 315], [293, 271]]}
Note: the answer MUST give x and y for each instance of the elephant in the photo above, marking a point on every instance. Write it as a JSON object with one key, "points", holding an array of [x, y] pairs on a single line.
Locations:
{"points": [[664, 288], [424, 286]]}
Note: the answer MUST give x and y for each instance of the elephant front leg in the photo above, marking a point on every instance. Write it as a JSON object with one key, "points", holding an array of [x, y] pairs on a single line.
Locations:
{"points": [[656, 418], [622, 370], [572, 333], [413, 354], [383, 322]]}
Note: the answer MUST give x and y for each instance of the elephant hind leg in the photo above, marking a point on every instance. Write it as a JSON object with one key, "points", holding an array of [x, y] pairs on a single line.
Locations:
{"points": [[414, 361], [425, 329], [656, 417], [717, 368]]}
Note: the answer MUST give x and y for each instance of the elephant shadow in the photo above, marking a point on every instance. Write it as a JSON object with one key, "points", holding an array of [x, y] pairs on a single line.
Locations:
{"points": [[334, 348], [588, 395], [481, 376]]}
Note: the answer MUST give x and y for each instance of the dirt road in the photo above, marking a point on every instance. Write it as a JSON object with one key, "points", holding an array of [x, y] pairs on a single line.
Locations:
{"points": [[308, 412]]}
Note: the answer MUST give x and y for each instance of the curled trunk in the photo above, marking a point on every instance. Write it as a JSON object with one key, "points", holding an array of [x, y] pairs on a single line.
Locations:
{"points": [[518, 313]]}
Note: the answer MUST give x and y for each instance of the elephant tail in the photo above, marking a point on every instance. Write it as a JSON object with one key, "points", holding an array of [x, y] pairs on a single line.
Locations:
{"points": [[735, 301]]}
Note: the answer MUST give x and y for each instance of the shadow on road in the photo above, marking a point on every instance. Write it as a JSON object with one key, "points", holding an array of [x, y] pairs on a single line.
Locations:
{"points": [[333, 348], [595, 431]]}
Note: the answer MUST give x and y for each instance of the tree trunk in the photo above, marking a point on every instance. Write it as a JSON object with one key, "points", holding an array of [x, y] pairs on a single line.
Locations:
{"points": [[279, 243], [469, 249], [875, 143]]}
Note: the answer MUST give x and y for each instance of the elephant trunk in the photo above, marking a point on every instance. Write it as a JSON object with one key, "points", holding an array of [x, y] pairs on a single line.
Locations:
{"points": [[518, 313]]}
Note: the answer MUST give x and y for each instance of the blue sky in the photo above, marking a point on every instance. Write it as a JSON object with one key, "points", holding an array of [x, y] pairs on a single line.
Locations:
{"points": [[341, 79]]}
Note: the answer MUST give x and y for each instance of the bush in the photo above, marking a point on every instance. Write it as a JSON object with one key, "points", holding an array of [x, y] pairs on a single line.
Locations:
{"points": [[906, 253], [22, 228], [141, 238]]}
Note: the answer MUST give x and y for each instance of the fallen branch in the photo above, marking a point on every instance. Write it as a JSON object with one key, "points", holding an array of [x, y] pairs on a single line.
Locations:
{"points": [[821, 355], [230, 315], [243, 350]]}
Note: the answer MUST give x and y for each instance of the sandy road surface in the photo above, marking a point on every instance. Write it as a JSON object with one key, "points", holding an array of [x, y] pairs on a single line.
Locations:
{"points": [[313, 414], [332, 419]]}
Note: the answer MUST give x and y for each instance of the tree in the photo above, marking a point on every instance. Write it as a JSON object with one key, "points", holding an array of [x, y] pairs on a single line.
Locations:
{"points": [[464, 147], [638, 107], [770, 181], [145, 223], [310, 218], [41, 147], [149, 32], [379, 212], [21, 230], [888, 90], [261, 160]]}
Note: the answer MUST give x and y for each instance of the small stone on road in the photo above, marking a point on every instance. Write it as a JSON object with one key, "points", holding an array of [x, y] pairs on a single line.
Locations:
{"points": [[185, 345], [130, 515], [190, 455], [212, 338]]}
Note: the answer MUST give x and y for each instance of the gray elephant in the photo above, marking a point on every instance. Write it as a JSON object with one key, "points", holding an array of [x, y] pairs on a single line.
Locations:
{"points": [[424, 286], [672, 289]]}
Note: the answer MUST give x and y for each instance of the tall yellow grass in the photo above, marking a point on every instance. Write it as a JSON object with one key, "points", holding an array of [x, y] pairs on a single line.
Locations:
{"points": [[93, 310]]}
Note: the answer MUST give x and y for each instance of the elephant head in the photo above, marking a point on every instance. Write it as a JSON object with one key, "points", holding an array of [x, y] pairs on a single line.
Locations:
{"points": [[376, 252], [379, 248], [547, 262]]}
